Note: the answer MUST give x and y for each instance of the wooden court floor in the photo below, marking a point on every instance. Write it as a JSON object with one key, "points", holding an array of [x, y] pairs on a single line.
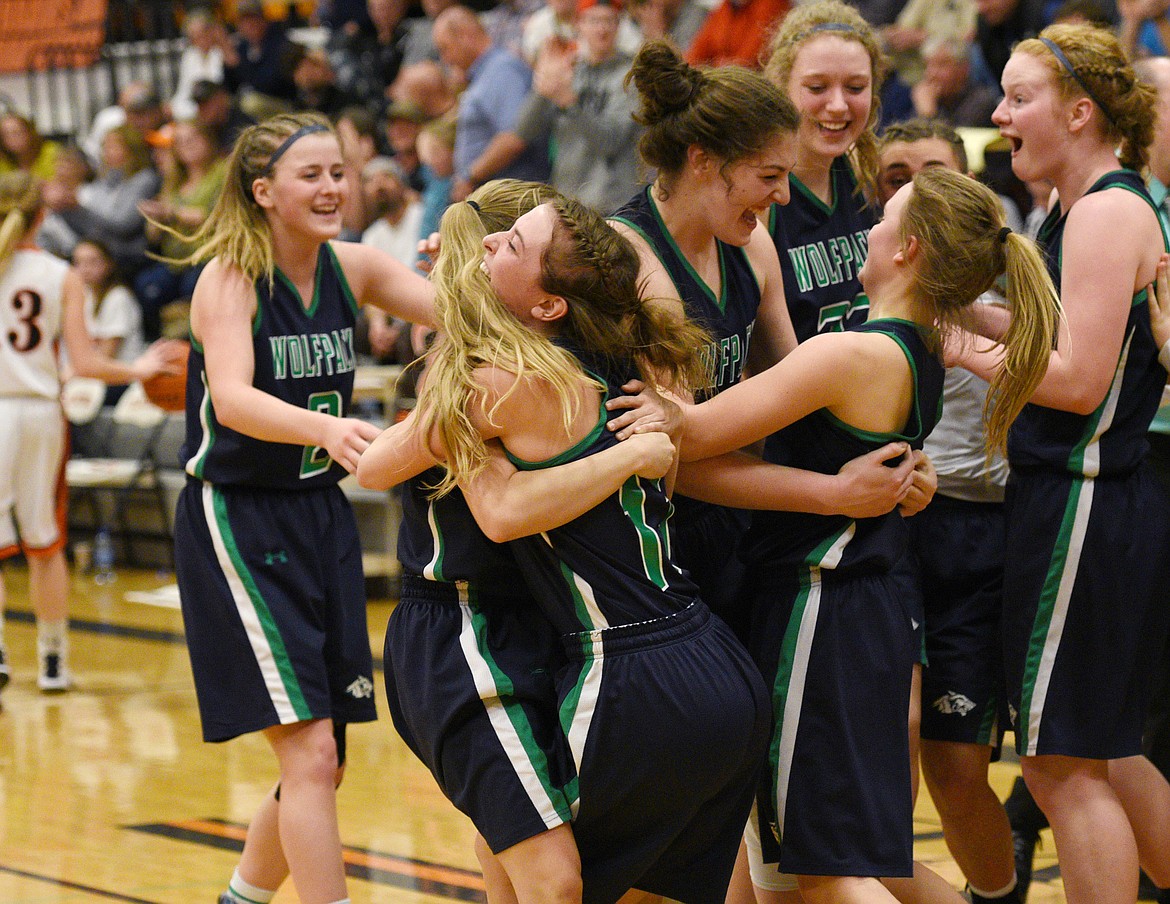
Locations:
{"points": [[108, 794]]}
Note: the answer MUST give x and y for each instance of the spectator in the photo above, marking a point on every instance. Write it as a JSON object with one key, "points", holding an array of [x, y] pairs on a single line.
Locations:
{"points": [[255, 62], [138, 105], [420, 42], [397, 215], [182, 206], [677, 21], [1145, 27], [113, 318], [436, 153], [498, 82], [219, 109], [367, 60], [316, 82], [403, 123], [505, 23], [918, 22], [557, 20], [357, 130], [107, 208], [1000, 25], [579, 98], [947, 91], [735, 32], [426, 86], [72, 171], [23, 148], [202, 59], [395, 210], [338, 14]]}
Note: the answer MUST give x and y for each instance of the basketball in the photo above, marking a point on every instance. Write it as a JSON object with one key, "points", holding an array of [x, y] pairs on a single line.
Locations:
{"points": [[169, 390]]}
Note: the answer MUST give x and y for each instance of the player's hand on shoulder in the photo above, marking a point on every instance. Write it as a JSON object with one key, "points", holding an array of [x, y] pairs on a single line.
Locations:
{"points": [[646, 411]]}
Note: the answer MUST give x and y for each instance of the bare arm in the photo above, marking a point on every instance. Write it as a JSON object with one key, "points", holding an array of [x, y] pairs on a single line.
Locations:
{"points": [[508, 503], [864, 488], [378, 279], [95, 359], [1107, 255]]}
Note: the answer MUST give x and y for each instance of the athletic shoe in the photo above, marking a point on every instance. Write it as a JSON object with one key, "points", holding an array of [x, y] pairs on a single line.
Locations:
{"points": [[4, 673], [225, 898], [54, 675]]}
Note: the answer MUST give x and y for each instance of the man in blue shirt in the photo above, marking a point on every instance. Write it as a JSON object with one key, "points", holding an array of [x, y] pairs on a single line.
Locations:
{"points": [[497, 86]]}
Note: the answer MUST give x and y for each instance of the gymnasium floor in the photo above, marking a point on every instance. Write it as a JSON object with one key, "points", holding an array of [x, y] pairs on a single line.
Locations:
{"points": [[108, 794]]}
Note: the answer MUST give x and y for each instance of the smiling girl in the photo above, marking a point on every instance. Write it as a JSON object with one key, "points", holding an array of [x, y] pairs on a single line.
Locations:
{"points": [[267, 553], [828, 61], [722, 142]]}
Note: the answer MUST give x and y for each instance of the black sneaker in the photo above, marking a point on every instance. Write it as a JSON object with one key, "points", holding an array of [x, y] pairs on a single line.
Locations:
{"points": [[4, 673], [54, 674]]}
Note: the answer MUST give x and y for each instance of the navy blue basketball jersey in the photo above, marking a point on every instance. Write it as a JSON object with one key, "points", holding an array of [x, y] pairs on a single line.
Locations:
{"points": [[730, 317], [304, 356], [612, 565], [1112, 440], [821, 442], [821, 251], [439, 540]]}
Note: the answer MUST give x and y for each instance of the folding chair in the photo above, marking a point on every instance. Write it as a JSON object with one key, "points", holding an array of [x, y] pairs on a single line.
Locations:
{"points": [[125, 469]]}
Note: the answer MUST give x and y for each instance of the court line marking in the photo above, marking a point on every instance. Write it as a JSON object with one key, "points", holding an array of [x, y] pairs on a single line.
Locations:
{"points": [[394, 870]]}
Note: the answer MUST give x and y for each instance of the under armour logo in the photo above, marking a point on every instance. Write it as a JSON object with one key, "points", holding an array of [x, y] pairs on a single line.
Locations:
{"points": [[361, 688], [953, 704], [278, 556]]}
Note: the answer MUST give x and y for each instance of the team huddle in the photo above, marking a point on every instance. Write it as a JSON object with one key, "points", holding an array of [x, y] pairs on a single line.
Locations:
{"points": [[684, 602]]}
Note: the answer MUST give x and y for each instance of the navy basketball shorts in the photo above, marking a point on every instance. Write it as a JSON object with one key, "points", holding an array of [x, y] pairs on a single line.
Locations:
{"points": [[904, 575], [274, 607], [667, 721], [705, 546], [1084, 610], [470, 686], [838, 652], [959, 549]]}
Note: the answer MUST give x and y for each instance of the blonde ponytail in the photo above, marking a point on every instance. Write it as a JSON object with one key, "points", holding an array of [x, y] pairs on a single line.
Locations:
{"points": [[20, 202], [1029, 341]]}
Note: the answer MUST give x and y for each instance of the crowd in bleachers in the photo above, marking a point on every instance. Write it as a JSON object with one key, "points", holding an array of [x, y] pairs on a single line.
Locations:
{"points": [[439, 98]]}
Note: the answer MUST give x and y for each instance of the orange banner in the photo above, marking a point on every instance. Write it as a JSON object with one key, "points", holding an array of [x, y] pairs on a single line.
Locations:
{"points": [[50, 34]]}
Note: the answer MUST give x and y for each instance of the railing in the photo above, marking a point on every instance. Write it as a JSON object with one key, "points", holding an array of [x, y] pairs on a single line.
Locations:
{"points": [[78, 54]]}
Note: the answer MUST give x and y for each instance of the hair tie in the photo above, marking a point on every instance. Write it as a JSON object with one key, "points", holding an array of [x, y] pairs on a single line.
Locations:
{"points": [[292, 139], [473, 205], [1004, 233], [1068, 67]]}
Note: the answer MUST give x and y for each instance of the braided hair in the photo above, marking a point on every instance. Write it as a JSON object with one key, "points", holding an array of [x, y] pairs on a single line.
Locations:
{"points": [[1102, 72]]}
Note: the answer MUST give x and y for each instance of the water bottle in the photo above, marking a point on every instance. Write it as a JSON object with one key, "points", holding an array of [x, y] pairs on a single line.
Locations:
{"points": [[103, 557]]}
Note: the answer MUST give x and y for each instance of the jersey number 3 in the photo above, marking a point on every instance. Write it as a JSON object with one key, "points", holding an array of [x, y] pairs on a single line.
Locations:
{"points": [[28, 333]]}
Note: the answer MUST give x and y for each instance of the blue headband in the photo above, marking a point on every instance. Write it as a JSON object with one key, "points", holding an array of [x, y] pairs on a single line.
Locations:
{"points": [[1068, 67], [296, 136], [834, 26]]}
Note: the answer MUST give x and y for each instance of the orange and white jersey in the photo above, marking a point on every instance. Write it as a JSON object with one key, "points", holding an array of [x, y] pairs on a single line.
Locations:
{"points": [[30, 324]]}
